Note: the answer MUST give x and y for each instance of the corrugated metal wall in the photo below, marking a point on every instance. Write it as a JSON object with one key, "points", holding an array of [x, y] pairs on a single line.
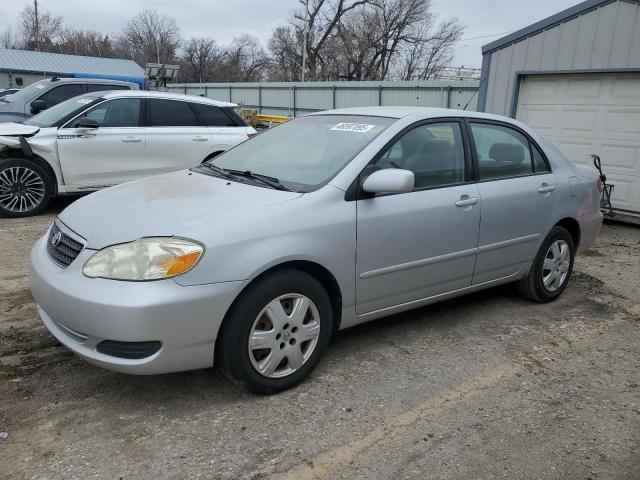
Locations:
{"points": [[297, 98], [607, 37]]}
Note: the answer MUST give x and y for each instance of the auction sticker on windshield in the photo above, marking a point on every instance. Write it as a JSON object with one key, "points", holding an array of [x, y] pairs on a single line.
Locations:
{"points": [[353, 127]]}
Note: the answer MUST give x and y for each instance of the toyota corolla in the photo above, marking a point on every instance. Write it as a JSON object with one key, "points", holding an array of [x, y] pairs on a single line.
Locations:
{"points": [[253, 260]]}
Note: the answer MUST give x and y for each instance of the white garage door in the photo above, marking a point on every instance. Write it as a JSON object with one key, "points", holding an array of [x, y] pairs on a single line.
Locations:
{"points": [[584, 114]]}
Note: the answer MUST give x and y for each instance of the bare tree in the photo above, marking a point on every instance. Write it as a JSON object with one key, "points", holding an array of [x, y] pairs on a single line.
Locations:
{"points": [[397, 32], [85, 42], [48, 28], [199, 60], [285, 47], [430, 54], [8, 39], [150, 37], [245, 59], [366, 40], [319, 21]]}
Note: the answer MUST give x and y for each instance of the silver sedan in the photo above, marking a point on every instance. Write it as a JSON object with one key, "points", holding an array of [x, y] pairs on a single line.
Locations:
{"points": [[254, 259]]}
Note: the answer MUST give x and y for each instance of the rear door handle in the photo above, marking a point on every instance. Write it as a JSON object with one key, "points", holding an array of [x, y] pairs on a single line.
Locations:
{"points": [[466, 201], [132, 139], [199, 139], [544, 188]]}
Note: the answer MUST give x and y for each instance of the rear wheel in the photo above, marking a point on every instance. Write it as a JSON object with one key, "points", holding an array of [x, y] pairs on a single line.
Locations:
{"points": [[551, 269], [276, 332], [25, 188]]}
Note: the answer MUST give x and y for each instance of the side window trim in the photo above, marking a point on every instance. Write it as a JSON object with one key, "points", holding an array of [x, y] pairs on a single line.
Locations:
{"points": [[199, 118], [476, 166], [354, 192], [142, 121], [533, 146]]}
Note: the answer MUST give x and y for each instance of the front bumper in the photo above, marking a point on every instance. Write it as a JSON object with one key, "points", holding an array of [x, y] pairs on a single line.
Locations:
{"points": [[82, 312]]}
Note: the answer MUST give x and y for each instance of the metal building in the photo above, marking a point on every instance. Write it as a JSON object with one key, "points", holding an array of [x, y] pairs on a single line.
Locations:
{"points": [[19, 68], [575, 78]]}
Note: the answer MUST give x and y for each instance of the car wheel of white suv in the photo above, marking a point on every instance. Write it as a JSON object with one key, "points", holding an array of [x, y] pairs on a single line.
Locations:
{"points": [[25, 188], [276, 332]]}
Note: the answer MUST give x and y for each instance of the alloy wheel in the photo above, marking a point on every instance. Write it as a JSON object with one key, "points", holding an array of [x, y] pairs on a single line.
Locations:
{"points": [[556, 265], [21, 189], [284, 335]]}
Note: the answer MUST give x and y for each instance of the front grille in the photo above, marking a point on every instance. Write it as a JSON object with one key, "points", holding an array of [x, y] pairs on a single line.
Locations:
{"points": [[61, 247], [128, 350]]}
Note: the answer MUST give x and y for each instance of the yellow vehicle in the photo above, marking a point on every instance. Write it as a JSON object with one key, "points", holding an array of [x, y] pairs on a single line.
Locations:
{"points": [[260, 121]]}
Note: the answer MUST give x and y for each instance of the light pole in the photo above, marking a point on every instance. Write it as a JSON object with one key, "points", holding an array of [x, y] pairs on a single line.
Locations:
{"points": [[306, 37], [37, 26]]}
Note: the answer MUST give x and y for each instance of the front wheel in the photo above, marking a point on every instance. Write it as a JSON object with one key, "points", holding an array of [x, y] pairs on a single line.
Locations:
{"points": [[551, 269], [276, 332], [25, 188]]}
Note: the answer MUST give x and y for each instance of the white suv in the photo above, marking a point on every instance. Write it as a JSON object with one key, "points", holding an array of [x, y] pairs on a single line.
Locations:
{"points": [[105, 138]]}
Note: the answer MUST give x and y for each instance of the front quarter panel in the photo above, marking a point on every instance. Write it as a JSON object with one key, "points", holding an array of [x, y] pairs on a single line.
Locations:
{"points": [[317, 227]]}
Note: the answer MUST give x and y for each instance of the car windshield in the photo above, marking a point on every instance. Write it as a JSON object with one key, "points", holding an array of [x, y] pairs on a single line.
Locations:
{"points": [[305, 153], [52, 116], [27, 92]]}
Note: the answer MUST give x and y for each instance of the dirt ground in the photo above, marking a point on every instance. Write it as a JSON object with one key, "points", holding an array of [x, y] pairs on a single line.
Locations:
{"points": [[487, 386]]}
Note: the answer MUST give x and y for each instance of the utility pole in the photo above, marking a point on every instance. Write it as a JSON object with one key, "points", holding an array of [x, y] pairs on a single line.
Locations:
{"points": [[306, 37], [37, 26]]}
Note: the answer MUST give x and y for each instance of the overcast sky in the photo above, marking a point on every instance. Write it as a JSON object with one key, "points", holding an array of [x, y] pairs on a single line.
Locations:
{"points": [[222, 19]]}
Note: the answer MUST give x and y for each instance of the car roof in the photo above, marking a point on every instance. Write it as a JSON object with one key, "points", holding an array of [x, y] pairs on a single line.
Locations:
{"points": [[165, 96], [107, 81], [401, 112]]}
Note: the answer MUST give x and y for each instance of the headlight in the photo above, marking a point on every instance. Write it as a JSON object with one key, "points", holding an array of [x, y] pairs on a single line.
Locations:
{"points": [[145, 259]]}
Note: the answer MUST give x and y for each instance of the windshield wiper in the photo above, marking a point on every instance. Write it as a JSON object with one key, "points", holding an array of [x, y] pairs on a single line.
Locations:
{"points": [[218, 170], [271, 181]]}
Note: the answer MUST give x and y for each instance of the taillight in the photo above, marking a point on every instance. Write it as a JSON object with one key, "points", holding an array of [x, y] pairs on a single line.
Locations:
{"points": [[600, 184]]}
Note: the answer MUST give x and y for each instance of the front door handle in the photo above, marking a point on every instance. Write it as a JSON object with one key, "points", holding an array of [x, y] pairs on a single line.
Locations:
{"points": [[466, 201], [199, 139], [132, 139], [544, 188]]}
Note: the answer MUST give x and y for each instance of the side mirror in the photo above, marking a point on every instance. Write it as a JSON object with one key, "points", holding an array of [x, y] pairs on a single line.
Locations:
{"points": [[37, 106], [389, 180], [87, 123]]}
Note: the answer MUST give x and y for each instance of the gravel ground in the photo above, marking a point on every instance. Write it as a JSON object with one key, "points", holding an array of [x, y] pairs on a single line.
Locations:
{"points": [[487, 386]]}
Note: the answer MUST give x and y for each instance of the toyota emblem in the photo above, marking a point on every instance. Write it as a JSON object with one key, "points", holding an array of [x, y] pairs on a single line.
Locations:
{"points": [[55, 240]]}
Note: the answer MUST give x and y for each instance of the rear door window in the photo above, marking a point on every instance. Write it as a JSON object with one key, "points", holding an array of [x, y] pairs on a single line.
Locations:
{"points": [[213, 116], [170, 113], [502, 151]]}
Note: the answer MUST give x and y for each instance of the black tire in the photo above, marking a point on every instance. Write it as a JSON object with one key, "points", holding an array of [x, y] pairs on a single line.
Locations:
{"points": [[232, 352], [532, 287], [37, 174]]}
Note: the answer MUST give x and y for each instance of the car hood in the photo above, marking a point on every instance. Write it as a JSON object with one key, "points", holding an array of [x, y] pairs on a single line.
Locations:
{"points": [[12, 129], [164, 205], [10, 107]]}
